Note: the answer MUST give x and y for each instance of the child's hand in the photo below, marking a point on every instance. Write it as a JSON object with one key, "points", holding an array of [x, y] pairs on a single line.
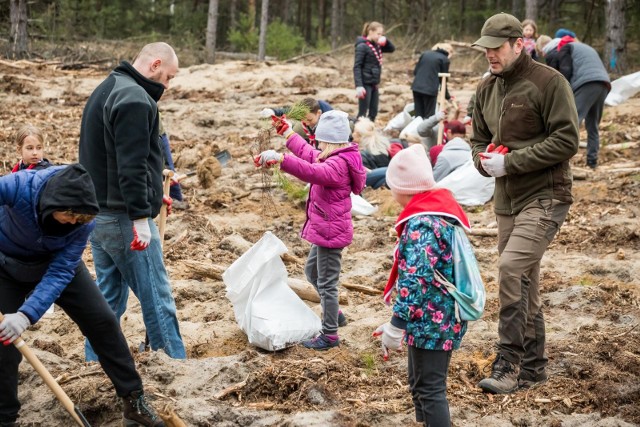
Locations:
{"points": [[267, 158], [391, 338]]}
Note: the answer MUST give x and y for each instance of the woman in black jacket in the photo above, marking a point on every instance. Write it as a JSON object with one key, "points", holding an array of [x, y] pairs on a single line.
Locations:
{"points": [[367, 67], [426, 82]]}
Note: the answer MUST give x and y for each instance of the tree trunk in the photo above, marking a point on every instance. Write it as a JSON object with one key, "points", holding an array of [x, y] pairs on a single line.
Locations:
{"points": [[531, 9], [307, 23], [615, 45], [335, 9], [251, 12], [232, 15], [264, 21], [18, 34], [212, 26], [321, 19]]}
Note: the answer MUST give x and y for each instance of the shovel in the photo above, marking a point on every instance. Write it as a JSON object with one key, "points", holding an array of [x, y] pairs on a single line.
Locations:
{"points": [[441, 103], [223, 157], [50, 381]]}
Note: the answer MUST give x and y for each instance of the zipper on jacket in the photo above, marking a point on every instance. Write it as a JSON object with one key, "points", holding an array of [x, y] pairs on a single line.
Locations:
{"points": [[503, 87]]}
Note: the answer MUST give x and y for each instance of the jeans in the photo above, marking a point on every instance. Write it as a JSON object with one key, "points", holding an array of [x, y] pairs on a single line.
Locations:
{"points": [[84, 304], [522, 241], [590, 102], [369, 103], [323, 271], [119, 268], [376, 178], [428, 384]]}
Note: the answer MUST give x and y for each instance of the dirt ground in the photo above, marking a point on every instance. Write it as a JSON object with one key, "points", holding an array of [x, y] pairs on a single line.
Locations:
{"points": [[589, 275]]}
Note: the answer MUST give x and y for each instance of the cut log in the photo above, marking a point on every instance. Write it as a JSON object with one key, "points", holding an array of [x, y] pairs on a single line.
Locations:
{"points": [[307, 292], [362, 289], [203, 269], [291, 259], [484, 232], [621, 145]]}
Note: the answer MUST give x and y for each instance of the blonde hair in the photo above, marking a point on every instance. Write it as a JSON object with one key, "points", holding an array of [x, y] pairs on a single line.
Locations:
{"points": [[370, 139], [542, 41], [370, 26], [24, 132], [331, 148], [533, 24], [443, 46]]}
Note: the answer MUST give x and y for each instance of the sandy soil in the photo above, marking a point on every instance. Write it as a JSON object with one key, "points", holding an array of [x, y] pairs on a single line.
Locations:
{"points": [[589, 275]]}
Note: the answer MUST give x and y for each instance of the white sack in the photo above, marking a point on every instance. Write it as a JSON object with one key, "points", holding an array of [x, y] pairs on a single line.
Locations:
{"points": [[400, 120], [359, 206], [623, 88], [265, 307], [468, 186]]}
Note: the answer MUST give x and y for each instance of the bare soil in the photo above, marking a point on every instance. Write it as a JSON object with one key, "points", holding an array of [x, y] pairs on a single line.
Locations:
{"points": [[589, 275]]}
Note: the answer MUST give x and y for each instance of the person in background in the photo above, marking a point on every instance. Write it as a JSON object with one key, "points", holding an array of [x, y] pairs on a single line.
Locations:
{"points": [[524, 109], [426, 83], [45, 219], [120, 148], [428, 129], [455, 153], [175, 189], [306, 128], [530, 34], [367, 67], [424, 313], [334, 171], [29, 141]]}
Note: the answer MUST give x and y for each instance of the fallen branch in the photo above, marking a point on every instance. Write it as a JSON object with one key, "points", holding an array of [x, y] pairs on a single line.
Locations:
{"points": [[621, 145], [65, 378], [11, 65], [307, 292], [231, 389], [291, 259], [363, 289], [176, 239], [211, 271], [484, 232]]}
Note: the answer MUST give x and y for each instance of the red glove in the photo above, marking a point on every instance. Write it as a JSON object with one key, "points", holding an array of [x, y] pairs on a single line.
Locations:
{"points": [[167, 201], [491, 148], [382, 40], [280, 123], [141, 235]]}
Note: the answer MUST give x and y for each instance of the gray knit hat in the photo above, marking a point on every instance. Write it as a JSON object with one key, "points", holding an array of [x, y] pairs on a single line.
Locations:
{"points": [[333, 127]]}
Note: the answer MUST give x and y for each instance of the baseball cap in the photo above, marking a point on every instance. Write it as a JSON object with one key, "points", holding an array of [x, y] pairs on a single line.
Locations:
{"points": [[498, 29]]}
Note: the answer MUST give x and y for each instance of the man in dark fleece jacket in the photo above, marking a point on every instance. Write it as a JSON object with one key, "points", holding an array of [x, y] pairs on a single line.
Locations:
{"points": [[528, 108], [120, 147], [45, 219]]}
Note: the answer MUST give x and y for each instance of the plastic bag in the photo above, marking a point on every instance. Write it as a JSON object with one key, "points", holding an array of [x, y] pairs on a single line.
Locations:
{"points": [[623, 88], [359, 206], [400, 120], [265, 307], [468, 186], [468, 290]]}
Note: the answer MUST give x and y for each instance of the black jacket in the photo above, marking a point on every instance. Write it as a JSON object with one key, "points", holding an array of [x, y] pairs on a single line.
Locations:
{"points": [[120, 146], [426, 79], [366, 67]]}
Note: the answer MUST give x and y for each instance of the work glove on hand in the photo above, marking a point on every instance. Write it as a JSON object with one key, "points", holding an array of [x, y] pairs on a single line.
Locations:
{"points": [[267, 158], [493, 164], [141, 235], [361, 93], [382, 40], [281, 124], [12, 326], [466, 120], [167, 201], [441, 115], [267, 112], [391, 338]]}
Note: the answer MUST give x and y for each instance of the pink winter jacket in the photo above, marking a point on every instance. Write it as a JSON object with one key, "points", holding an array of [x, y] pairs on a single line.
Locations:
{"points": [[332, 180]]}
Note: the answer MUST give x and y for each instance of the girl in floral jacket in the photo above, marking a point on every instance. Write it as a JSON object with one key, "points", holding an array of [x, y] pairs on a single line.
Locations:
{"points": [[423, 312]]}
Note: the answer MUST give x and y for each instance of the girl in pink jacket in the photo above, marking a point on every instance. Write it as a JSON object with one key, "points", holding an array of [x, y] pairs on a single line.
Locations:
{"points": [[334, 171]]}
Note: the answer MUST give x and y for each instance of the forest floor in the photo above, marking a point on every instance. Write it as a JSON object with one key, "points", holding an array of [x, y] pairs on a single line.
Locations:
{"points": [[589, 276]]}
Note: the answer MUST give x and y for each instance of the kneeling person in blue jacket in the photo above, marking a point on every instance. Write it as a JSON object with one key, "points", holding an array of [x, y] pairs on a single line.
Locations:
{"points": [[45, 220]]}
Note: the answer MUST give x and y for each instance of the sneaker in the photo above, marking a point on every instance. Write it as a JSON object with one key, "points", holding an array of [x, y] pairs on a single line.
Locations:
{"points": [[138, 412], [526, 382], [322, 342], [503, 378], [342, 320]]}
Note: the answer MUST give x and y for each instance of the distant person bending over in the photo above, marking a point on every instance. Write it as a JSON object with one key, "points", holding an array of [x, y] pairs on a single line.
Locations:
{"points": [[175, 189], [306, 128], [119, 146], [428, 129], [426, 83], [455, 153], [30, 144]]}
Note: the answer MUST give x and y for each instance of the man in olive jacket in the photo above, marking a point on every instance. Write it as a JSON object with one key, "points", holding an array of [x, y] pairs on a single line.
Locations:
{"points": [[528, 108]]}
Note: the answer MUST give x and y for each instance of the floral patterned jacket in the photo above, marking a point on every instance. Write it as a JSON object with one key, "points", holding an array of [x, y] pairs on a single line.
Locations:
{"points": [[423, 307]]}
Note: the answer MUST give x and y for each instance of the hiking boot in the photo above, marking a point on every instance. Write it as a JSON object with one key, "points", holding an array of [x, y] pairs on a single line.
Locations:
{"points": [[342, 320], [527, 381], [180, 205], [503, 378], [322, 342], [138, 412]]}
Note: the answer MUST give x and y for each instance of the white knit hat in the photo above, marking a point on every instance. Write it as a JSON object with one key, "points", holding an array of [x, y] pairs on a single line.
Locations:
{"points": [[333, 127], [410, 172]]}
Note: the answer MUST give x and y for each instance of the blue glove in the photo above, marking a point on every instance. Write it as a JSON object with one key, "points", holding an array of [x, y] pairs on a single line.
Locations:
{"points": [[493, 164], [12, 326]]}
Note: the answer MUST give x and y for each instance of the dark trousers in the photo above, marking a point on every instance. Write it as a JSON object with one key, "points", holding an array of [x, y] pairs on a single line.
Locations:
{"points": [[424, 105], [590, 103], [369, 103], [85, 305], [428, 384]]}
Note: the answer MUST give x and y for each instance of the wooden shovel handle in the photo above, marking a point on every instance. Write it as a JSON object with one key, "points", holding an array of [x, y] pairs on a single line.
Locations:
{"points": [[168, 174], [441, 101]]}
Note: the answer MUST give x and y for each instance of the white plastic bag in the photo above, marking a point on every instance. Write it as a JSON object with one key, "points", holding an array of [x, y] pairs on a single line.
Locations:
{"points": [[402, 119], [266, 309], [359, 206], [468, 186], [623, 88]]}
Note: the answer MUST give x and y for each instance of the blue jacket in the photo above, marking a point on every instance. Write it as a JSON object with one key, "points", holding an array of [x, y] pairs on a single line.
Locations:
{"points": [[22, 237]]}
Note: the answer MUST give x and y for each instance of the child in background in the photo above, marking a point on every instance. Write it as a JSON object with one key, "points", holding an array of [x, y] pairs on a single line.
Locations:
{"points": [[30, 143], [423, 312], [367, 67], [530, 33], [334, 171]]}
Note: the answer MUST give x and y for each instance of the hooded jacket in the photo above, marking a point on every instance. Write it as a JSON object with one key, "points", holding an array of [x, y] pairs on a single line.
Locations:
{"points": [[530, 109], [120, 145], [366, 67], [332, 181], [454, 154], [28, 233]]}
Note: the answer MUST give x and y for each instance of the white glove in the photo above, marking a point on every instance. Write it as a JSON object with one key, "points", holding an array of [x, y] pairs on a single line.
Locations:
{"points": [[361, 92], [12, 326], [441, 115], [493, 164], [466, 120], [267, 113], [382, 40], [268, 158], [141, 235], [391, 338]]}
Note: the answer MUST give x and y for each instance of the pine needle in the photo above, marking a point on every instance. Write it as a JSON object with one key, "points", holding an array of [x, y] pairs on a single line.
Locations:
{"points": [[294, 191], [263, 143], [297, 111]]}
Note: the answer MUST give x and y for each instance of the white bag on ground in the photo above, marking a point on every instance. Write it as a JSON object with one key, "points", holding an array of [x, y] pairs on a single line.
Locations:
{"points": [[359, 206], [401, 119], [468, 186], [266, 309], [623, 88]]}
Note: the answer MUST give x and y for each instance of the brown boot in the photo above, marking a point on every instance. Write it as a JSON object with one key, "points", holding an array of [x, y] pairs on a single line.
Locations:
{"points": [[503, 378], [138, 412]]}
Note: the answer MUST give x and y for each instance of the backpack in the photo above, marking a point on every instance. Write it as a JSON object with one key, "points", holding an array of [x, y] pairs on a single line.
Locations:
{"points": [[468, 290]]}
